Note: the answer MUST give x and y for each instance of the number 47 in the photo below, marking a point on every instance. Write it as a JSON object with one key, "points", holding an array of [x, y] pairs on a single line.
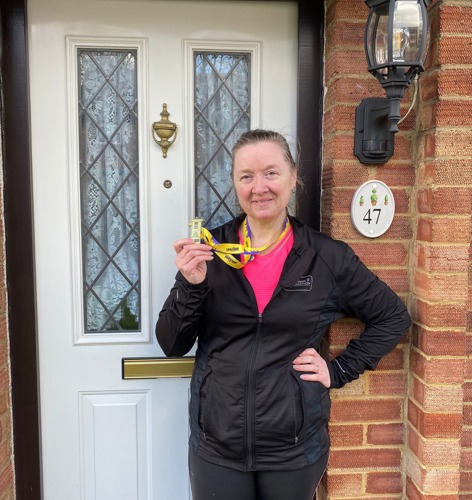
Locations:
{"points": [[368, 218]]}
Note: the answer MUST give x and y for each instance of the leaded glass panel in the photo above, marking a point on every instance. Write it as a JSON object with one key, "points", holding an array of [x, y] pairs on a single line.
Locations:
{"points": [[222, 114], [109, 174]]}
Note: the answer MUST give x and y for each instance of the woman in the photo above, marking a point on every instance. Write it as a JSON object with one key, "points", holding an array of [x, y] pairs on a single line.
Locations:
{"points": [[259, 392]]}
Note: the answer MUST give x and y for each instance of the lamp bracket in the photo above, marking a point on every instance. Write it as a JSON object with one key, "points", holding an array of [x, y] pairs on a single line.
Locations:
{"points": [[373, 141]]}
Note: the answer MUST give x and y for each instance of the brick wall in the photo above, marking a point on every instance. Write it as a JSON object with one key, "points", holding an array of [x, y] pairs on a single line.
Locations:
{"points": [[367, 419], [405, 430], [439, 458], [6, 432]]}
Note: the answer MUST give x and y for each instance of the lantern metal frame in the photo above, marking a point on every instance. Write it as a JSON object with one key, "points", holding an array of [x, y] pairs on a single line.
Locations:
{"points": [[377, 118]]}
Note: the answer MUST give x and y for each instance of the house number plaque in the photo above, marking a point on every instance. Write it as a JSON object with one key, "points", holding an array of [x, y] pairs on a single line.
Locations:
{"points": [[372, 208]]}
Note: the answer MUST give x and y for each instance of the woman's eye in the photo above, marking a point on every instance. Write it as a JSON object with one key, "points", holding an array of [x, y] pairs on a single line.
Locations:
{"points": [[245, 178], [271, 173]]}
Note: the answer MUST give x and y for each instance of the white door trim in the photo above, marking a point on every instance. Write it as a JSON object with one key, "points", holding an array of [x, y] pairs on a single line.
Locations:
{"points": [[141, 46]]}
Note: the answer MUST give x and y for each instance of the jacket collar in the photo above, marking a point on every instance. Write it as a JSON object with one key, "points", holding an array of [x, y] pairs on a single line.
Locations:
{"points": [[297, 261]]}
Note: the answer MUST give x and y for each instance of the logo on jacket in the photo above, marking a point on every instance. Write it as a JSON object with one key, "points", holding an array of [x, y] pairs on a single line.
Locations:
{"points": [[304, 284]]}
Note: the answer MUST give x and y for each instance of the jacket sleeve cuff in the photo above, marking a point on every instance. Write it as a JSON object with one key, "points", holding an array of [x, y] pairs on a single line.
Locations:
{"points": [[336, 374]]}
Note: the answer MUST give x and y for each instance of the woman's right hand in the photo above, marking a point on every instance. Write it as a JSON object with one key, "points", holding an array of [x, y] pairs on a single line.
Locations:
{"points": [[191, 259]]}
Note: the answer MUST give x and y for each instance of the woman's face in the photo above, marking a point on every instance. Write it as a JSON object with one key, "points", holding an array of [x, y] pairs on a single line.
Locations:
{"points": [[263, 180]]}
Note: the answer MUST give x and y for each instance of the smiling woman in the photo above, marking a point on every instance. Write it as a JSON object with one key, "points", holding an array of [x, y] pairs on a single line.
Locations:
{"points": [[264, 175], [259, 404], [26, 330]]}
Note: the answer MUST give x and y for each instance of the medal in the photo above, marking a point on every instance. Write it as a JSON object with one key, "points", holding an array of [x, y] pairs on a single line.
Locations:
{"points": [[226, 251], [196, 229]]}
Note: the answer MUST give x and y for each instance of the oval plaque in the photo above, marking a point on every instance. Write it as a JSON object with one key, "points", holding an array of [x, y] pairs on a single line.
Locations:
{"points": [[372, 208]]}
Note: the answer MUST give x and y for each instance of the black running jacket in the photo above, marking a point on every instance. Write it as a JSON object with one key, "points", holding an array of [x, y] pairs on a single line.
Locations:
{"points": [[249, 409]]}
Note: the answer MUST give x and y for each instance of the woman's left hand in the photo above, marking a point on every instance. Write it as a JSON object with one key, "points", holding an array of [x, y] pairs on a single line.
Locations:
{"points": [[310, 361]]}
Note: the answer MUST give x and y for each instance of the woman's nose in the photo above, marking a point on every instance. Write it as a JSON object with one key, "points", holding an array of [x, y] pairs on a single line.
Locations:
{"points": [[260, 184]]}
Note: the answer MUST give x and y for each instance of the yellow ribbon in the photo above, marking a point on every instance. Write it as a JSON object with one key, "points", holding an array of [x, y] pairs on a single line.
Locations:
{"points": [[226, 251]]}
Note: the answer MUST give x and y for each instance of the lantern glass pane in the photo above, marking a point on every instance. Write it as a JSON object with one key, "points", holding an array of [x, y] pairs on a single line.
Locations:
{"points": [[407, 31], [377, 37]]}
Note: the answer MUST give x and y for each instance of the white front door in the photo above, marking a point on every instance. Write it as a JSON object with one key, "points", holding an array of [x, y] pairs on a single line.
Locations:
{"points": [[107, 206]]}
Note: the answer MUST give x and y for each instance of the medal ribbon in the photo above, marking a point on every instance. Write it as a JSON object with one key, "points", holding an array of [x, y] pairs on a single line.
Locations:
{"points": [[226, 251]]}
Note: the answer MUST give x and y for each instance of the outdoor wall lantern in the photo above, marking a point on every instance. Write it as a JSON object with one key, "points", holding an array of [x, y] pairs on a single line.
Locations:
{"points": [[396, 44]]}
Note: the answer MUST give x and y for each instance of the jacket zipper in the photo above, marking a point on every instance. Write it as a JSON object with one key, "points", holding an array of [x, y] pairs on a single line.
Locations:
{"points": [[251, 400]]}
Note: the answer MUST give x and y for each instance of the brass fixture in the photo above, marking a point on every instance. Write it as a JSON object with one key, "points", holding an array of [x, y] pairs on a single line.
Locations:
{"points": [[164, 130], [135, 368]]}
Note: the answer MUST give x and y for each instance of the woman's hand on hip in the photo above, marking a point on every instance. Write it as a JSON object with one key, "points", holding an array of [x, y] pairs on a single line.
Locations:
{"points": [[191, 259], [311, 362]]}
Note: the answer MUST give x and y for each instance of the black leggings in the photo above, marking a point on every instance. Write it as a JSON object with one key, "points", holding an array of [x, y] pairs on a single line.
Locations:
{"points": [[214, 482]]}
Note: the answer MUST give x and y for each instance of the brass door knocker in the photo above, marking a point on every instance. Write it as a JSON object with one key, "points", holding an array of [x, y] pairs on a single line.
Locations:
{"points": [[164, 130]]}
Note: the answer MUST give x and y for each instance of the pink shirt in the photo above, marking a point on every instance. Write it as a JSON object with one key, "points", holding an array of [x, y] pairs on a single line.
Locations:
{"points": [[263, 272]]}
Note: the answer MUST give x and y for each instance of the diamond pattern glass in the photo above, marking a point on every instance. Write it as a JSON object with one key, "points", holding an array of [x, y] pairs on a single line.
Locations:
{"points": [[222, 114], [109, 185]]}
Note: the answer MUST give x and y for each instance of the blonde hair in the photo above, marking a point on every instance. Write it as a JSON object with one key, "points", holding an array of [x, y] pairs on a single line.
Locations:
{"points": [[260, 135]]}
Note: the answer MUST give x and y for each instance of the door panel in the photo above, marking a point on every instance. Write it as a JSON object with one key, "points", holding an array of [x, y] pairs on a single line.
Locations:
{"points": [[104, 437]]}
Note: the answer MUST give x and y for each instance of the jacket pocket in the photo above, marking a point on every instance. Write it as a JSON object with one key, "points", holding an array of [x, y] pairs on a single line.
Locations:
{"points": [[298, 406], [279, 409], [221, 418], [204, 398]]}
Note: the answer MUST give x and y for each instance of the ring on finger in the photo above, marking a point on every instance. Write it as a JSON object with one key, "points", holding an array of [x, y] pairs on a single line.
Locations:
{"points": [[317, 368]]}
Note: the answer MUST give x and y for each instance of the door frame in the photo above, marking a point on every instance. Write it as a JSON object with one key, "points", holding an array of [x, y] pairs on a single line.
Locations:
{"points": [[18, 209]]}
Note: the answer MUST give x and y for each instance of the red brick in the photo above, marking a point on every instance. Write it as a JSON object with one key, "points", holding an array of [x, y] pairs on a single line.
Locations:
{"points": [[438, 342], [453, 113], [445, 200], [379, 483], [447, 142], [345, 62], [346, 9], [442, 258], [432, 479], [428, 116], [346, 435], [437, 229], [341, 332], [364, 458], [340, 118], [454, 50], [466, 459], [450, 171], [413, 493], [397, 279], [466, 438], [437, 398], [434, 425], [437, 370], [467, 414], [388, 384], [468, 369], [393, 361], [429, 85], [344, 484], [351, 90], [386, 434], [455, 82], [467, 388], [437, 315], [455, 20], [366, 410], [381, 254], [434, 453], [344, 174], [466, 481], [444, 287], [345, 33]]}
